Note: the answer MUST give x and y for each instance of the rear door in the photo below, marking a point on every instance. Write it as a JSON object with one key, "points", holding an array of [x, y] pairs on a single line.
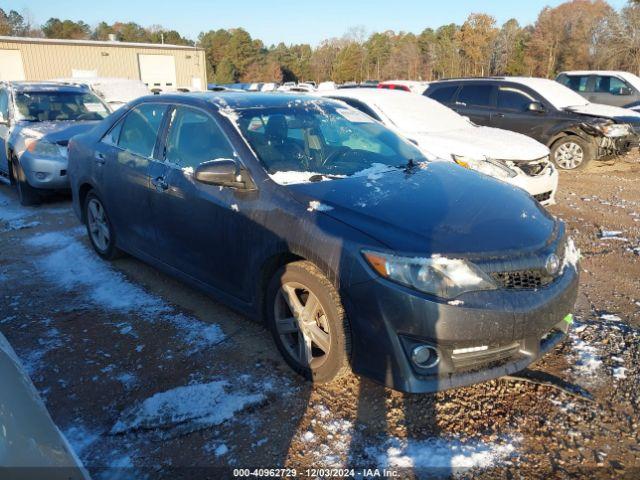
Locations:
{"points": [[611, 90], [475, 100], [512, 112], [203, 230], [122, 165], [4, 129]]}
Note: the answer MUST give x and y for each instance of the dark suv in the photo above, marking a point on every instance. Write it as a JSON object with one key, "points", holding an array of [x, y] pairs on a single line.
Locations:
{"points": [[575, 130]]}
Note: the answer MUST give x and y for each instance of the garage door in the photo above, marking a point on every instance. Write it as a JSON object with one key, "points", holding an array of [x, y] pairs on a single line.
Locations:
{"points": [[11, 67], [158, 71]]}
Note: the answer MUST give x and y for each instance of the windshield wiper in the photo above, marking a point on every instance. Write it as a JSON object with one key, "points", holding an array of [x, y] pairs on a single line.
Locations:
{"points": [[322, 176]]}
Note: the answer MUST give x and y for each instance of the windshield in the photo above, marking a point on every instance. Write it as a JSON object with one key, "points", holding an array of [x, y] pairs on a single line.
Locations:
{"points": [[311, 139], [59, 106], [416, 113]]}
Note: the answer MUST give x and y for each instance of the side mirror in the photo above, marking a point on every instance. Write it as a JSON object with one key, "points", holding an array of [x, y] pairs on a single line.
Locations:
{"points": [[222, 171], [536, 107], [625, 91]]}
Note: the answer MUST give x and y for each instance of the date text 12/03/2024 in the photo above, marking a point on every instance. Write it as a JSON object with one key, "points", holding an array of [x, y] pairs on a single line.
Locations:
{"points": [[315, 473]]}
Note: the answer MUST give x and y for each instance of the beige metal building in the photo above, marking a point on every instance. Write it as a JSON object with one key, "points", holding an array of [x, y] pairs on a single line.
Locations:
{"points": [[167, 67]]}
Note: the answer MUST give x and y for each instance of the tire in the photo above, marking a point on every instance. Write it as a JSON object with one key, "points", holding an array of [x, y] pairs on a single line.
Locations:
{"points": [[327, 337], [28, 195], [99, 228], [572, 153]]}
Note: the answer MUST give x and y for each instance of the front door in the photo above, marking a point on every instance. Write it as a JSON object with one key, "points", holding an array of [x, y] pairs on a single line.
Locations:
{"points": [[203, 230], [512, 113], [475, 100], [611, 90]]}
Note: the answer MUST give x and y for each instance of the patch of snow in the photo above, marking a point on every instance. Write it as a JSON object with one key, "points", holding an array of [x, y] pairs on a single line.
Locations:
{"points": [[294, 177], [19, 224], [315, 205], [221, 450], [128, 380], [34, 359], [619, 373], [191, 407], [199, 335], [80, 437], [609, 317], [374, 172], [441, 453], [571, 256], [235, 207], [611, 235], [49, 240], [308, 437], [588, 360]]}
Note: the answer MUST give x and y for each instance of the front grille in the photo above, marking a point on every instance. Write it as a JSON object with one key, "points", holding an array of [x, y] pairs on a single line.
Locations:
{"points": [[543, 197], [523, 279], [533, 169]]}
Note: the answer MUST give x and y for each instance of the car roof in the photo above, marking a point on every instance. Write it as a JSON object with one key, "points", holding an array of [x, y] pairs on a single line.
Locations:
{"points": [[239, 100], [365, 93], [594, 72], [48, 87]]}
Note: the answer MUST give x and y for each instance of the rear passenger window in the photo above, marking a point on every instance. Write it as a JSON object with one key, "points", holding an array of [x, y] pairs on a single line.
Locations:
{"points": [[513, 99], [612, 85], [4, 104], [444, 94], [140, 129], [476, 95], [195, 138], [359, 106], [577, 83]]}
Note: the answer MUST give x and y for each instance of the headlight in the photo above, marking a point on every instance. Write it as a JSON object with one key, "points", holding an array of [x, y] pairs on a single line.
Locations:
{"points": [[488, 166], [439, 276], [614, 130], [44, 148]]}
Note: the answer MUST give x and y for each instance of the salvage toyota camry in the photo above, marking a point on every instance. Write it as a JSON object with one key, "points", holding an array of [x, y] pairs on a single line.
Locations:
{"points": [[308, 214]]}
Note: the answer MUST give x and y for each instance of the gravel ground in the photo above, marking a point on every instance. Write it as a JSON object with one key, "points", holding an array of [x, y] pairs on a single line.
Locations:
{"points": [[147, 377]]}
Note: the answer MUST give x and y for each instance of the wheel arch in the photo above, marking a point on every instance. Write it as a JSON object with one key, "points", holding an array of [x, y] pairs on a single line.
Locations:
{"points": [[269, 267], [83, 191]]}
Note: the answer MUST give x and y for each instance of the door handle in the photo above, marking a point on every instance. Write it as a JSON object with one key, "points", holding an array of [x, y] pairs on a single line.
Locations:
{"points": [[500, 115], [160, 184], [100, 158], [461, 104]]}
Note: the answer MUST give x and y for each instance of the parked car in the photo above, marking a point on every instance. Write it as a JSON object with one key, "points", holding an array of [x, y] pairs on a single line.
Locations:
{"points": [[404, 85], [31, 445], [443, 134], [114, 91], [37, 119], [306, 213], [619, 89], [575, 130]]}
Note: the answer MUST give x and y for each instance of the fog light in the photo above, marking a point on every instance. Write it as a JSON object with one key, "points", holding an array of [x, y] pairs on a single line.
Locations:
{"points": [[425, 356], [41, 175]]}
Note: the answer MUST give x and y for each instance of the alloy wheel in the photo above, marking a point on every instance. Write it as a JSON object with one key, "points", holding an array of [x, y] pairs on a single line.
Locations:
{"points": [[569, 156], [98, 225], [302, 325]]}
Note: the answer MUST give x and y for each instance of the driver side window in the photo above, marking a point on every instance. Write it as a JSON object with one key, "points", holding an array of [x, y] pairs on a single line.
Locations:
{"points": [[4, 104], [513, 99], [195, 138]]}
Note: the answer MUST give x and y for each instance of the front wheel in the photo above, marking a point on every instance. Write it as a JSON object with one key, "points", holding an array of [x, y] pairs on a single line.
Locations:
{"points": [[99, 228], [572, 153], [308, 323], [27, 195]]}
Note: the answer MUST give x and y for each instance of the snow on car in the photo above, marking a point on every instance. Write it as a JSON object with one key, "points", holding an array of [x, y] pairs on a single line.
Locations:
{"points": [[441, 133]]}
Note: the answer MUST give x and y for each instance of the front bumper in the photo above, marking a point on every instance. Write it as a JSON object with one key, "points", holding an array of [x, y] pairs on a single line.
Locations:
{"points": [[542, 187], [517, 327], [45, 172]]}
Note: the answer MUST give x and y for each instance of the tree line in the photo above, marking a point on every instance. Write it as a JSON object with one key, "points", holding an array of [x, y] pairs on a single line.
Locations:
{"points": [[577, 34]]}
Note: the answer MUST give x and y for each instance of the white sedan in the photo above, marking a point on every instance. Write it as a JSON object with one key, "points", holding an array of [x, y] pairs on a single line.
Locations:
{"points": [[441, 133]]}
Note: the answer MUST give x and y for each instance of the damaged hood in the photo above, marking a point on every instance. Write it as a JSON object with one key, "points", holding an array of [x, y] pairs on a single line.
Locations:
{"points": [[619, 114], [480, 142], [55, 132], [440, 208]]}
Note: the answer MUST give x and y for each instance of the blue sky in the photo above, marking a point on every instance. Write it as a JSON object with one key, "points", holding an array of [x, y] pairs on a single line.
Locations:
{"points": [[290, 21]]}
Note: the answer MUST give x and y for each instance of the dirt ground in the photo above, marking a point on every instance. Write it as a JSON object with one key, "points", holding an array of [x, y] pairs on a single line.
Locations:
{"points": [[100, 341]]}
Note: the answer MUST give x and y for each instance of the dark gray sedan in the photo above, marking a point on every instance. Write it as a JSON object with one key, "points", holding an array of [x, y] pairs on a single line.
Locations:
{"points": [[311, 216]]}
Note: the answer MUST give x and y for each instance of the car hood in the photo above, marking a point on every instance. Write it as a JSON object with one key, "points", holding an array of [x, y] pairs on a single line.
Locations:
{"points": [[55, 132], [480, 142], [438, 208], [607, 111]]}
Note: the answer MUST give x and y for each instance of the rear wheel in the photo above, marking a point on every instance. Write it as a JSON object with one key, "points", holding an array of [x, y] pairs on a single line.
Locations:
{"points": [[572, 153], [26, 193], [308, 323], [99, 228]]}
